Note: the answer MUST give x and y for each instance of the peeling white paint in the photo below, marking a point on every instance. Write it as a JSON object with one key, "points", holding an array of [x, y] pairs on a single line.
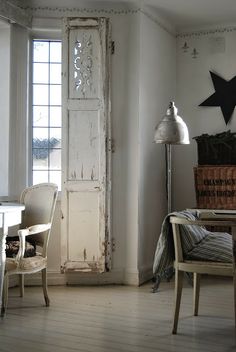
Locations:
{"points": [[85, 203]]}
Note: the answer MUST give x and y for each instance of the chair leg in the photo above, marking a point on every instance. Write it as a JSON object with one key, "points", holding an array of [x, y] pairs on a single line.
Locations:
{"points": [[21, 284], [4, 295], [178, 292], [234, 283], [45, 288], [196, 291]]}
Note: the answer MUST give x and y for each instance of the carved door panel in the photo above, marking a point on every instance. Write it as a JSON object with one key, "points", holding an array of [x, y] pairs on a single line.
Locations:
{"points": [[86, 154]]}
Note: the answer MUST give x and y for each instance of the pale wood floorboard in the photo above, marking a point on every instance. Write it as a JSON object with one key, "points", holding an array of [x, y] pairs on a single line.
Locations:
{"points": [[119, 319]]}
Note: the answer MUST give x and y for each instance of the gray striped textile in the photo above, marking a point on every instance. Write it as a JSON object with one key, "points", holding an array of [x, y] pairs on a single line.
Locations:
{"points": [[197, 242]]}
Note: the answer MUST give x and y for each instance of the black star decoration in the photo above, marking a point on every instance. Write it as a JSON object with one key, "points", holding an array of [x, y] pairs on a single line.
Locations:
{"points": [[224, 96]]}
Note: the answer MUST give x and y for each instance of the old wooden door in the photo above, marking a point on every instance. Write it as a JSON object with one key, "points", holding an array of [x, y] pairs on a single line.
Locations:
{"points": [[86, 152]]}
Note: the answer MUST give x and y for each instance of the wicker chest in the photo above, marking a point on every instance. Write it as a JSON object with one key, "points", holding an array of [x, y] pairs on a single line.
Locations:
{"points": [[215, 186]]}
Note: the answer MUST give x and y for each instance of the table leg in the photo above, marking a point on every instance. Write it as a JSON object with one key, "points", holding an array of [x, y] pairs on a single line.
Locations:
{"points": [[3, 235], [234, 267]]}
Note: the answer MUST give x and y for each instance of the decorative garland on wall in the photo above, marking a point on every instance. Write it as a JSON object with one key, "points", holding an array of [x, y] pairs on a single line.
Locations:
{"points": [[206, 32], [81, 10]]}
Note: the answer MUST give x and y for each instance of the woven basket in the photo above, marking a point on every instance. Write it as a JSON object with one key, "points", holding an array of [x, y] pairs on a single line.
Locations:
{"points": [[215, 186]]}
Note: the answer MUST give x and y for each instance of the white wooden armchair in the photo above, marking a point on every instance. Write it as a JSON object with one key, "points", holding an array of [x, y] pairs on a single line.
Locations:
{"points": [[198, 267], [39, 201]]}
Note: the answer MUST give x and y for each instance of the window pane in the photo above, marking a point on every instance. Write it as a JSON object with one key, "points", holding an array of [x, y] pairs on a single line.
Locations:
{"points": [[40, 159], [55, 73], [46, 124], [55, 95], [55, 116], [40, 176], [40, 137], [55, 52], [55, 137], [55, 159], [41, 51], [40, 73], [55, 177], [40, 116], [40, 94]]}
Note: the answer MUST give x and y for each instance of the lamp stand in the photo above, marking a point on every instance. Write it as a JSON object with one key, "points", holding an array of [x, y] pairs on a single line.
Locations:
{"points": [[169, 176]]}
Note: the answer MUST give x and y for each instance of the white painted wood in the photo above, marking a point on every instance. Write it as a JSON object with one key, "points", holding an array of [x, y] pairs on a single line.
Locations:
{"points": [[86, 159], [84, 136], [119, 318], [10, 214]]}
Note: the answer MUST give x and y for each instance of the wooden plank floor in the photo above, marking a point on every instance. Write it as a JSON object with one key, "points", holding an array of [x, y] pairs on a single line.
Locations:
{"points": [[119, 319]]}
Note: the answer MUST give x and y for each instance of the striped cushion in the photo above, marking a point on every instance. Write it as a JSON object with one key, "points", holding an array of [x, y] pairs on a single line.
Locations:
{"points": [[216, 246], [200, 244], [191, 235]]}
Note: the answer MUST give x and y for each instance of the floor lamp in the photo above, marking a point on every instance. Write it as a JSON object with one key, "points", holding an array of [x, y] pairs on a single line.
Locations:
{"points": [[171, 130]]}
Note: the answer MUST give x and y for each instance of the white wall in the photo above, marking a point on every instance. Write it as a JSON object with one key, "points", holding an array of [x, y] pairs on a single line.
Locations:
{"points": [[4, 106], [157, 88], [194, 85], [125, 106], [19, 127]]}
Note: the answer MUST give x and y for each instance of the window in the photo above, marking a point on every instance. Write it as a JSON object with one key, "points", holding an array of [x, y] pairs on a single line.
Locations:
{"points": [[46, 121]]}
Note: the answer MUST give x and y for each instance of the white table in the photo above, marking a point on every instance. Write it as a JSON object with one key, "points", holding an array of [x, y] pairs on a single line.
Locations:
{"points": [[10, 215]]}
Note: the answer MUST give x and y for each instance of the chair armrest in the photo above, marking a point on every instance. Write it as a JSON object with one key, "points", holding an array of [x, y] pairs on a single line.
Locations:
{"points": [[182, 221], [32, 230]]}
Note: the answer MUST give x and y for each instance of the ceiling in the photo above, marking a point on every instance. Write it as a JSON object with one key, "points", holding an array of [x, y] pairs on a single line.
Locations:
{"points": [[196, 13], [181, 14]]}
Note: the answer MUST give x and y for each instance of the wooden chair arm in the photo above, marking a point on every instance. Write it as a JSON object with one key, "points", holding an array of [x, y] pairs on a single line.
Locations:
{"points": [[182, 221]]}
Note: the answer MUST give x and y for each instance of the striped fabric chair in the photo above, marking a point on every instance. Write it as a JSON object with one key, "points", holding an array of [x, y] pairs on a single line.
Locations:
{"points": [[208, 253]]}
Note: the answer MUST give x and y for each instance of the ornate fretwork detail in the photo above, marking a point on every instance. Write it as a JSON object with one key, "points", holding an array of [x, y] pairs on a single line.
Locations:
{"points": [[83, 64]]}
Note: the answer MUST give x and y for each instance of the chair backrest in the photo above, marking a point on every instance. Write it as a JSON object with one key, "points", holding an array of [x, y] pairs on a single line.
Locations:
{"points": [[40, 202]]}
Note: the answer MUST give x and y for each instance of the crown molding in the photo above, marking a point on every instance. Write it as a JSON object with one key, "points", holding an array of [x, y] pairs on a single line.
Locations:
{"points": [[101, 11], [15, 14]]}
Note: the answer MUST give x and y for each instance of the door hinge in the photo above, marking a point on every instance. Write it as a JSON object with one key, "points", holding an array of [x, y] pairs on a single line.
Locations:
{"points": [[113, 244], [110, 144], [112, 47]]}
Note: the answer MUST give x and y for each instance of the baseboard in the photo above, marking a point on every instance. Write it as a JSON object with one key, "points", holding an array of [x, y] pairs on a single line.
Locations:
{"points": [[116, 277], [76, 278], [145, 273]]}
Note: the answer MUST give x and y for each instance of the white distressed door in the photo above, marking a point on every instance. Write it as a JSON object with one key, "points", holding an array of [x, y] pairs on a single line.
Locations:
{"points": [[86, 152]]}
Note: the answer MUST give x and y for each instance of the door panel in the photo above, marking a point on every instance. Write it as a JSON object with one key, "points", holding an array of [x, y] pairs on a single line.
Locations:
{"points": [[86, 154], [84, 136]]}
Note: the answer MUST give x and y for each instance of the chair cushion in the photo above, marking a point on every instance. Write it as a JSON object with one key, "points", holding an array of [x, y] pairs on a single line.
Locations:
{"points": [[191, 235], [13, 244], [216, 247], [26, 264], [200, 244]]}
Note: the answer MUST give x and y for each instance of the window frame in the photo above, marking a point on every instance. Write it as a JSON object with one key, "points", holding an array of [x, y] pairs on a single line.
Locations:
{"points": [[44, 35]]}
